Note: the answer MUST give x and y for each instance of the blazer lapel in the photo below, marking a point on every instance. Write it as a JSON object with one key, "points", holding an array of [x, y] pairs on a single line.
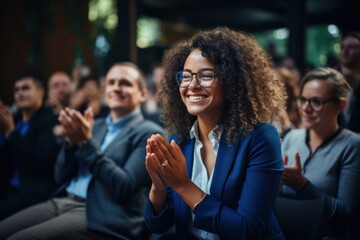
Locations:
{"points": [[135, 121], [100, 131], [183, 210], [223, 166], [188, 151]]}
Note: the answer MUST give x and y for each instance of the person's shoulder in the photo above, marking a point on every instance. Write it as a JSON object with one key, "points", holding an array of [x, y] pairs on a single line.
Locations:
{"points": [[296, 133], [294, 137], [46, 111], [350, 136], [349, 133], [45, 115], [150, 126], [264, 129], [260, 134], [100, 120], [348, 142]]}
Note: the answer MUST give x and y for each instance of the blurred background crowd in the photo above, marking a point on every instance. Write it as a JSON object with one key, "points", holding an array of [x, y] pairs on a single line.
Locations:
{"points": [[86, 37], [68, 46]]}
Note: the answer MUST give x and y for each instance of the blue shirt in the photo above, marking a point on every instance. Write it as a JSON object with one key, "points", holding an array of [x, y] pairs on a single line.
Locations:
{"points": [[22, 127], [78, 186]]}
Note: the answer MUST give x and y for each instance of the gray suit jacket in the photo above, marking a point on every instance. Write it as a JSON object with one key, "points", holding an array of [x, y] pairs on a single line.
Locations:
{"points": [[120, 184]]}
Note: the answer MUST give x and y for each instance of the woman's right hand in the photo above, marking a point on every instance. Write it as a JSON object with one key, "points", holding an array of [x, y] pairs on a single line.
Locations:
{"points": [[152, 166], [157, 195]]}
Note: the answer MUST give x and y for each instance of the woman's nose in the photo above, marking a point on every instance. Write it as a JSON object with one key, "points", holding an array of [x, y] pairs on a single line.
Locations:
{"points": [[194, 82]]}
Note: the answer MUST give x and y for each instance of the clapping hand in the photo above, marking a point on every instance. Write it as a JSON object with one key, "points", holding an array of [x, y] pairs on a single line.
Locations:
{"points": [[7, 124], [166, 166], [77, 127], [166, 162], [292, 175]]}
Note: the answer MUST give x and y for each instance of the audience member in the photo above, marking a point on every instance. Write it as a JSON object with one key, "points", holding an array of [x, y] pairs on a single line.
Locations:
{"points": [[350, 68], [152, 106], [30, 147], [331, 61], [78, 72], [58, 97], [273, 54], [219, 176], [92, 97], [323, 160], [289, 63], [5, 172], [59, 91], [103, 166], [289, 117]]}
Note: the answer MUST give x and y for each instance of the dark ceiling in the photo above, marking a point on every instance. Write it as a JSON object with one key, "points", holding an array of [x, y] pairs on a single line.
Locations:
{"points": [[253, 15]]}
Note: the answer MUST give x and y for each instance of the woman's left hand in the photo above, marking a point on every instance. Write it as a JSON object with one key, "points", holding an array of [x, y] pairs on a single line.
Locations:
{"points": [[172, 167], [292, 175]]}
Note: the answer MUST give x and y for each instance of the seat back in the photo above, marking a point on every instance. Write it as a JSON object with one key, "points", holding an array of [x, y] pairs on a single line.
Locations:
{"points": [[301, 219]]}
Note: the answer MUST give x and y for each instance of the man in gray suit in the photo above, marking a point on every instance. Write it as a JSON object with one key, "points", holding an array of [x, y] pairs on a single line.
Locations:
{"points": [[103, 167]]}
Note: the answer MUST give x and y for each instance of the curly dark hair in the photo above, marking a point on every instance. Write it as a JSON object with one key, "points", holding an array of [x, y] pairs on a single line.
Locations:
{"points": [[252, 92]]}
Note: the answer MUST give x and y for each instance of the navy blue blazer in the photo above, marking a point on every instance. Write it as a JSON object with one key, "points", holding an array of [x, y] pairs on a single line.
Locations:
{"points": [[242, 195]]}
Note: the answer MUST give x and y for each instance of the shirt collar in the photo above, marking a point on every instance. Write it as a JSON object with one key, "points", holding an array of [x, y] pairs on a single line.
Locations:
{"points": [[214, 134], [120, 122]]}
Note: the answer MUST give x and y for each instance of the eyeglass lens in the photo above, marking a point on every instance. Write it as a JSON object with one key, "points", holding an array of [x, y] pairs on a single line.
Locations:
{"points": [[205, 78]]}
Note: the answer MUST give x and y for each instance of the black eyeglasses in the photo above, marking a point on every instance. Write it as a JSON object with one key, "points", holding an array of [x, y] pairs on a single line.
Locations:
{"points": [[316, 103], [205, 78]]}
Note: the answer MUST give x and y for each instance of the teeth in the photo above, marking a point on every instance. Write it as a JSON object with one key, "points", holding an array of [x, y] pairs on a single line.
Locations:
{"points": [[196, 97]]}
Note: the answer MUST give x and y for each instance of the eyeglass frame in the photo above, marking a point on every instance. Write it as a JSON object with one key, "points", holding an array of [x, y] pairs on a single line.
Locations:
{"points": [[196, 77], [309, 100]]}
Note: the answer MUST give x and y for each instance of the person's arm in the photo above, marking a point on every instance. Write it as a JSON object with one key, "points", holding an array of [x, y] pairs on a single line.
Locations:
{"points": [[173, 173], [39, 145], [7, 124], [121, 180], [159, 215], [66, 164], [343, 204], [161, 221]]}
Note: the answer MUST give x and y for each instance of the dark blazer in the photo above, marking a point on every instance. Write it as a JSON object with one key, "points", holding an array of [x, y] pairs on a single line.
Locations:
{"points": [[35, 153], [241, 202], [34, 156], [119, 187]]}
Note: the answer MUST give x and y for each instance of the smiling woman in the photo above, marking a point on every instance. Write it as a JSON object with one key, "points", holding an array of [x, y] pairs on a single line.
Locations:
{"points": [[219, 176], [323, 160]]}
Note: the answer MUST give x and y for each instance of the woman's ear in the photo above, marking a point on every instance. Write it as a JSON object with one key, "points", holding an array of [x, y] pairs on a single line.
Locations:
{"points": [[341, 105]]}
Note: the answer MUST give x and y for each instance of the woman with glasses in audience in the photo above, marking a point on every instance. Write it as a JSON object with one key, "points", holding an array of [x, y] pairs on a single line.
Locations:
{"points": [[323, 160], [219, 175]]}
